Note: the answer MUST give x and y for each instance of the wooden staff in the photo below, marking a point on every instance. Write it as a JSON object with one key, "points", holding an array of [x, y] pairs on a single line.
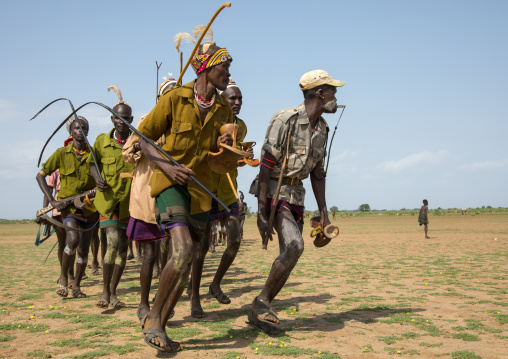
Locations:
{"points": [[226, 4], [269, 232], [232, 186]]}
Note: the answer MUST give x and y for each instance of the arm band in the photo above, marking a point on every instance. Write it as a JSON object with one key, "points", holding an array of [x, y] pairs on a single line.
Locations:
{"points": [[266, 159], [266, 166]]}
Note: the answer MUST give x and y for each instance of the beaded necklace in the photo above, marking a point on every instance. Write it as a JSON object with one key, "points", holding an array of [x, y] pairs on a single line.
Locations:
{"points": [[117, 140], [202, 103], [80, 153]]}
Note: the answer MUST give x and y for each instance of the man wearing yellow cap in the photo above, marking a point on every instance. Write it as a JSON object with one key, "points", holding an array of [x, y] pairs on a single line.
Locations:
{"points": [[307, 132]]}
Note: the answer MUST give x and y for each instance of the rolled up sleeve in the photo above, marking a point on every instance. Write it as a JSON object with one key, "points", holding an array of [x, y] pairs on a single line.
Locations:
{"points": [[275, 136]]}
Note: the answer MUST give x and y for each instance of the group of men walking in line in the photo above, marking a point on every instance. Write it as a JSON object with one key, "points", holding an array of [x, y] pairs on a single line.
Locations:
{"points": [[143, 197]]}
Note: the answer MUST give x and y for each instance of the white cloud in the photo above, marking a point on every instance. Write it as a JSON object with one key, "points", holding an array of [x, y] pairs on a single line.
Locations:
{"points": [[24, 163], [486, 165], [8, 111], [417, 159]]}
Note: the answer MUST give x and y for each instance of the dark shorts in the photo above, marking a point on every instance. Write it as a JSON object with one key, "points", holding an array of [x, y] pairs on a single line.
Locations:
{"points": [[217, 214], [82, 221], [423, 220], [142, 232], [296, 210], [172, 208]]}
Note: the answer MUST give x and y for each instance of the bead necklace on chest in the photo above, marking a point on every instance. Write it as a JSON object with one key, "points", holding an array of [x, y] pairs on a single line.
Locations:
{"points": [[202, 103], [118, 140]]}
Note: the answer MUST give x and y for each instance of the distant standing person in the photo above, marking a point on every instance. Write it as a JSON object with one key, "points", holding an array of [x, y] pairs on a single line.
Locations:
{"points": [[423, 217], [242, 206]]}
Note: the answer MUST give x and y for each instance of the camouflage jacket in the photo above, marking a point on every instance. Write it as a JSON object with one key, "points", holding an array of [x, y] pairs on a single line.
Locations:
{"points": [[307, 148]]}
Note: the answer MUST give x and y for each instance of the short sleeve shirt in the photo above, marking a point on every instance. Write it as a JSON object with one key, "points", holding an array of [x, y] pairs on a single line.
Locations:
{"points": [[307, 149], [75, 176], [188, 140], [108, 153]]}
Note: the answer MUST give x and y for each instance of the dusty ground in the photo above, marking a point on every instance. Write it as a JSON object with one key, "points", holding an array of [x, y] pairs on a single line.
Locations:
{"points": [[379, 291]]}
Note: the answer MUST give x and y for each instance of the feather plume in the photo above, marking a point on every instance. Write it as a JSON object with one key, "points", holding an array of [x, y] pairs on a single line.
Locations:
{"points": [[198, 30], [180, 37], [117, 92]]}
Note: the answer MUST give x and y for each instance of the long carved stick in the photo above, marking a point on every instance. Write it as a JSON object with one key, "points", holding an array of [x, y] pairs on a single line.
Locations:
{"points": [[275, 199], [226, 4]]}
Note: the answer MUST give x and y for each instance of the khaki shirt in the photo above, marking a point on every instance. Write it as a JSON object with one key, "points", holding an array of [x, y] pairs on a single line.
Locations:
{"points": [[220, 183], [142, 204], [109, 157], [188, 140], [75, 176], [306, 149]]}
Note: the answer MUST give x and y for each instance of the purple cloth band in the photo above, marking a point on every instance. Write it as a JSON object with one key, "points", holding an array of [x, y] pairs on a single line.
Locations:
{"points": [[172, 225]]}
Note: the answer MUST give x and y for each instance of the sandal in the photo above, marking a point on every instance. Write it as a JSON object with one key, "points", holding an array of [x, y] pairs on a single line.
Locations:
{"points": [[264, 312], [117, 304], [77, 293], [221, 297], [157, 333], [102, 303], [265, 326], [62, 291]]}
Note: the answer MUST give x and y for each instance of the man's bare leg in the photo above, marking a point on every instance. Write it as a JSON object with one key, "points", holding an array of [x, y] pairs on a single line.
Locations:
{"points": [[233, 237], [94, 245], [131, 252], [114, 243], [291, 248], [197, 272], [82, 260], [426, 228], [120, 262], [145, 277], [176, 270]]}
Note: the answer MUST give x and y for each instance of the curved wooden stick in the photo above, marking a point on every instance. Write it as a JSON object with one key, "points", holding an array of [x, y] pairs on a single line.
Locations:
{"points": [[226, 4]]}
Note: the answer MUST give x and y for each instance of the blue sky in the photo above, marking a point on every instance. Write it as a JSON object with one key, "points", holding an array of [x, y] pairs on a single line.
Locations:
{"points": [[425, 84]]}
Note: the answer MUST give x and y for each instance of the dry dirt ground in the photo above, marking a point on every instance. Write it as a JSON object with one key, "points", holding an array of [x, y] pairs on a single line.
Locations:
{"points": [[380, 291]]}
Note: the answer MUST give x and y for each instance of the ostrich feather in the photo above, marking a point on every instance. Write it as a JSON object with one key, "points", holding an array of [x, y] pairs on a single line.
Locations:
{"points": [[198, 30], [180, 37], [117, 92]]}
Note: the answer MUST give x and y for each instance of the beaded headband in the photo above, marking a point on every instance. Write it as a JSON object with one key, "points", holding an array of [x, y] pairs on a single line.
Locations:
{"points": [[202, 62]]}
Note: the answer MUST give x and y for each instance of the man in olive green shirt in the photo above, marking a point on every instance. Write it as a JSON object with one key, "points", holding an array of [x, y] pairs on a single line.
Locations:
{"points": [[112, 201], [230, 221], [75, 178], [190, 117]]}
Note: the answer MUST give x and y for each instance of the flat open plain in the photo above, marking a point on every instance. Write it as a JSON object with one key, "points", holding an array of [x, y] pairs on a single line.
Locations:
{"points": [[380, 291]]}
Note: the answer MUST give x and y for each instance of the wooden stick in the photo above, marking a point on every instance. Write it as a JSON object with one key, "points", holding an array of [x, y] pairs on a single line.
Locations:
{"points": [[226, 4], [276, 197], [232, 186]]}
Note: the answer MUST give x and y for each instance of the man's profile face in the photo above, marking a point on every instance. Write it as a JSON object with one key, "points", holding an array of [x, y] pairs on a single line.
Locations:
{"points": [[330, 105], [233, 95], [219, 75]]}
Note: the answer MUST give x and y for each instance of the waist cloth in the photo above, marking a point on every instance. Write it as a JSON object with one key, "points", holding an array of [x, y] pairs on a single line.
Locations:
{"points": [[216, 213], [142, 232], [114, 220], [296, 210], [78, 217], [172, 209], [423, 220]]}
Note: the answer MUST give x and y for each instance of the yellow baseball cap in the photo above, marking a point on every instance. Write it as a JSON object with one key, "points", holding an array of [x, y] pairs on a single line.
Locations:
{"points": [[315, 78]]}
